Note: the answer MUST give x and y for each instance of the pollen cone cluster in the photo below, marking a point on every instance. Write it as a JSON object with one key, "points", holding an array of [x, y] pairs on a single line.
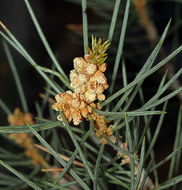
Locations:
{"points": [[24, 139], [102, 126], [20, 118], [73, 106], [88, 83], [88, 79]]}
